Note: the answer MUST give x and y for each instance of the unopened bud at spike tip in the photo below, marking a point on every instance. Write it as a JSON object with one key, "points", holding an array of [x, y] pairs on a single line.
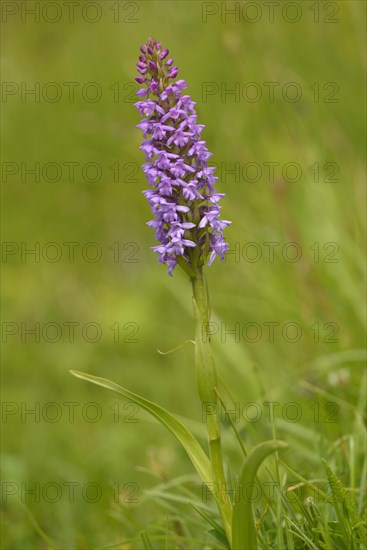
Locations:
{"points": [[173, 72]]}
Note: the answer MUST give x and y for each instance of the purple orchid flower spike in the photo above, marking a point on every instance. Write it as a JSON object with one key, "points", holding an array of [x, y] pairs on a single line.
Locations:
{"points": [[182, 195]]}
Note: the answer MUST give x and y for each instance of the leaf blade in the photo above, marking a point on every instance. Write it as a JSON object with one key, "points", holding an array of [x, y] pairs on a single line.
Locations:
{"points": [[243, 525], [191, 445]]}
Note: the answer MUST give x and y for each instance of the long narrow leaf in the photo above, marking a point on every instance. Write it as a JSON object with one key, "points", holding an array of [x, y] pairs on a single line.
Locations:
{"points": [[188, 441], [243, 525]]}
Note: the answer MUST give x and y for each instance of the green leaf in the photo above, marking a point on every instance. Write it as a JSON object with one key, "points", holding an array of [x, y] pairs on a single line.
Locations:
{"points": [[145, 540], [188, 441], [219, 538], [243, 525], [208, 517], [217, 532]]}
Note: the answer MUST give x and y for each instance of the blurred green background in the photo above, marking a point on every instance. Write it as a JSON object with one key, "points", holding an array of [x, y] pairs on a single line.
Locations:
{"points": [[126, 287]]}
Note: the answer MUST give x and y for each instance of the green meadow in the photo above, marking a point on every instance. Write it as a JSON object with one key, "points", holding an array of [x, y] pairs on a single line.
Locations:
{"points": [[281, 91]]}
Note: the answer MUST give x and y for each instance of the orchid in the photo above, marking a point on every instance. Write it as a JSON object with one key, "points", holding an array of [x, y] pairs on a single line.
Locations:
{"points": [[189, 230], [183, 191]]}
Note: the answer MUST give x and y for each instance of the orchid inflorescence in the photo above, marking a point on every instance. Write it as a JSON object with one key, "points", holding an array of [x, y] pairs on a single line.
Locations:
{"points": [[182, 194]]}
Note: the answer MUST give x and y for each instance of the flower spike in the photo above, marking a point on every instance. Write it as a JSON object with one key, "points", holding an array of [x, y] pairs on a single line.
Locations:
{"points": [[182, 195]]}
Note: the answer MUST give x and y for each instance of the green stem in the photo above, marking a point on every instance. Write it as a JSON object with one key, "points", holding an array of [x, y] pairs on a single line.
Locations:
{"points": [[207, 383]]}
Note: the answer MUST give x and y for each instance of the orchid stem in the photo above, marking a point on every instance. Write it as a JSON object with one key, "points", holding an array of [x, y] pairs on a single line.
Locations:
{"points": [[207, 384]]}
